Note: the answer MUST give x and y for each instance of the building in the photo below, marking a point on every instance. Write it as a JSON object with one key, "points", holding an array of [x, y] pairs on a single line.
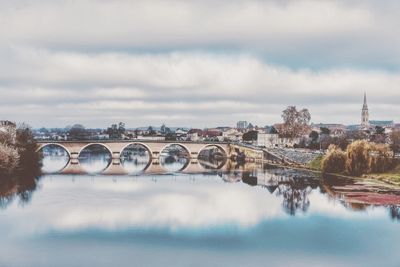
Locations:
{"points": [[271, 139], [195, 134], [335, 129], [232, 135], [242, 125], [365, 114], [267, 140], [383, 124]]}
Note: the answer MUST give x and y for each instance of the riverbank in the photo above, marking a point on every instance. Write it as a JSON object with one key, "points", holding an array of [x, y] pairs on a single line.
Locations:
{"points": [[391, 177]]}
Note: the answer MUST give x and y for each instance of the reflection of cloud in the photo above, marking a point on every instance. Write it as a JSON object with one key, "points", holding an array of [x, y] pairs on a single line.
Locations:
{"points": [[136, 203], [168, 203], [321, 204], [54, 164]]}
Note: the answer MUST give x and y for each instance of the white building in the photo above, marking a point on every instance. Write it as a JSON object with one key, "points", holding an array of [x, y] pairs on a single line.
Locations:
{"points": [[271, 140], [232, 135], [151, 137], [242, 125]]}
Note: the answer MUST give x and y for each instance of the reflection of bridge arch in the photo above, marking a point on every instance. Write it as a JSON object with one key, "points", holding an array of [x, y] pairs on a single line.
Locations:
{"points": [[149, 162], [100, 144], [214, 145], [178, 144], [138, 143], [55, 144]]}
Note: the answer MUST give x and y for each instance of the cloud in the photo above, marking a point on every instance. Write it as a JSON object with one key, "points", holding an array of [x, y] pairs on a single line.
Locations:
{"points": [[196, 63], [211, 88], [315, 33]]}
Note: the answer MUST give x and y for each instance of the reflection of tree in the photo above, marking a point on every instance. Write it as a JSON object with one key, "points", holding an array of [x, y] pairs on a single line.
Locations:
{"points": [[295, 197], [394, 212], [294, 186], [20, 184], [21, 181]]}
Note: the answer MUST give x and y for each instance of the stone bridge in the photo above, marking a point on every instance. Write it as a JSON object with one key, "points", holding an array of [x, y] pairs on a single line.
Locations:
{"points": [[116, 147], [155, 148]]}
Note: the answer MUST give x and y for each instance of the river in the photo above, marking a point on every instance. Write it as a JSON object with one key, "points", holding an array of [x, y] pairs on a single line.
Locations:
{"points": [[249, 215]]}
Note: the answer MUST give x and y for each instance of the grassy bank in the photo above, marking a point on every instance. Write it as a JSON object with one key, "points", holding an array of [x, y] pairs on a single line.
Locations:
{"points": [[316, 164], [392, 176]]}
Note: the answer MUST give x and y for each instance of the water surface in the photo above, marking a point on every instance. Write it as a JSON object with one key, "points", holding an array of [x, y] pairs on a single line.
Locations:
{"points": [[233, 216]]}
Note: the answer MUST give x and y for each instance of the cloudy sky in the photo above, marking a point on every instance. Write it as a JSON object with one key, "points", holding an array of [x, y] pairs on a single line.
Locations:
{"points": [[197, 63]]}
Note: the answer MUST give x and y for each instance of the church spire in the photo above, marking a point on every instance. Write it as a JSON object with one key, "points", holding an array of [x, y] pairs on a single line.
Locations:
{"points": [[365, 113], [365, 106]]}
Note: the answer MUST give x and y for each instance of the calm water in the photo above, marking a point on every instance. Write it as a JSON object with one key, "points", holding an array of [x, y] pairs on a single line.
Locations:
{"points": [[231, 216]]}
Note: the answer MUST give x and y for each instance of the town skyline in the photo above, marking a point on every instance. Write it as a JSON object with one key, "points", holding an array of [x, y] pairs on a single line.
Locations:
{"points": [[365, 119]]}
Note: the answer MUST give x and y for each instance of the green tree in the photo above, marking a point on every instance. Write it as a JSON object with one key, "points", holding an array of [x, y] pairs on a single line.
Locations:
{"points": [[395, 141], [78, 132], [314, 136], [250, 136], [116, 131], [325, 131], [379, 130], [334, 161]]}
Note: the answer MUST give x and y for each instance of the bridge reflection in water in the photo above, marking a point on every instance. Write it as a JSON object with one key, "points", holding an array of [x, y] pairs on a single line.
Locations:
{"points": [[134, 159], [294, 186]]}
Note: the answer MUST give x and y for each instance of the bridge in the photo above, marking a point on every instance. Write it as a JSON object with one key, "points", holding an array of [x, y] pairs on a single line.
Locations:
{"points": [[155, 148], [116, 147]]}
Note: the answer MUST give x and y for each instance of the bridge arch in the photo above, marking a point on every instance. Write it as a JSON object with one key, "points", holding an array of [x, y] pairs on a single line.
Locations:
{"points": [[145, 147], [187, 157], [55, 144], [138, 143], [99, 144], [177, 144]]}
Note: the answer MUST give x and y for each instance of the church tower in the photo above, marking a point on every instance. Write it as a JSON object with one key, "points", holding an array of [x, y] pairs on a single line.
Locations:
{"points": [[364, 113]]}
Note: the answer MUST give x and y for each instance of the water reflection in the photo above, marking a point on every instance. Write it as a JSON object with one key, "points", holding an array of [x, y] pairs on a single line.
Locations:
{"points": [[54, 158], [95, 158], [174, 158], [19, 185], [135, 158], [242, 211], [212, 157], [292, 187]]}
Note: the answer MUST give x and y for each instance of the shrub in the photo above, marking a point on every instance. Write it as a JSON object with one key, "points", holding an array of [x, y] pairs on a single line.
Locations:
{"points": [[9, 157], [334, 161], [358, 158], [381, 158]]}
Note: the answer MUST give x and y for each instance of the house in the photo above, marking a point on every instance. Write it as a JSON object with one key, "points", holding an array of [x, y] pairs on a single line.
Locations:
{"points": [[271, 139], [232, 135], [195, 134], [181, 134], [212, 134]]}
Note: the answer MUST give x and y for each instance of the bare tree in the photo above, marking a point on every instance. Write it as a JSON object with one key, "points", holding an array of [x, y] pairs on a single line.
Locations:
{"points": [[295, 123]]}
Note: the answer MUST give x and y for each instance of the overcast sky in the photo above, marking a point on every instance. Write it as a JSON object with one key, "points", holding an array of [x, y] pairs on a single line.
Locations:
{"points": [[197, 63]]}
